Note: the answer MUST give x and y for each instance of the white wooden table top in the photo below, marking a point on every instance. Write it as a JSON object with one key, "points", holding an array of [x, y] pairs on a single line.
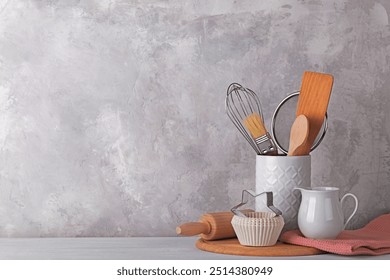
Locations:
{"points": [[141, 248]]}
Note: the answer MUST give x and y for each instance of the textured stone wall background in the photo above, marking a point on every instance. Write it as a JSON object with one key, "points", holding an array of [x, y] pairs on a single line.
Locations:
{"points": [[112, 117]]}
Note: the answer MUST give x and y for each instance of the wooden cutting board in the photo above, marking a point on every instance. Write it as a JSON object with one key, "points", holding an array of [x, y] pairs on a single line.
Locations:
{"points": [[233, 247]]}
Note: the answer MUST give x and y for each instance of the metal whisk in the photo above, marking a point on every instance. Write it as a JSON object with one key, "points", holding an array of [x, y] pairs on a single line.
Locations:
{"points": [[243, 107]]}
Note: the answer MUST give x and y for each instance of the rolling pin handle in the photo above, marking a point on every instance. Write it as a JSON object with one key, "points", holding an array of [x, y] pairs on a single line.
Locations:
{"points": [[194, 228]]}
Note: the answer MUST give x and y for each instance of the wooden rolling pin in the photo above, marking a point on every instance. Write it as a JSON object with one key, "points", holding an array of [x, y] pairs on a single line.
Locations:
{"points": [[211, 226]]}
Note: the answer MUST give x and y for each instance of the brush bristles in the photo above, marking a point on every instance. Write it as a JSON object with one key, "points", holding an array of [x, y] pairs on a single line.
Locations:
{"points": [[255, 125]]}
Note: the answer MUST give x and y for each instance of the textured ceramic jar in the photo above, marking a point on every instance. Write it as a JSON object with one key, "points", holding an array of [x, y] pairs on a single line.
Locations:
{"points": [[281, 174]]}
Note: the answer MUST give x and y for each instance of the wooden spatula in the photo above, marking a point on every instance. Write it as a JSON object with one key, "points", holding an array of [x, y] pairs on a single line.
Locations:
{"points": [[313, 102], [298, 136]]}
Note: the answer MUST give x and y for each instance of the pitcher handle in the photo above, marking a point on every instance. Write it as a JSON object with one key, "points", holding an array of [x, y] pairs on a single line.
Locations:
{"points": [[354, 211]]}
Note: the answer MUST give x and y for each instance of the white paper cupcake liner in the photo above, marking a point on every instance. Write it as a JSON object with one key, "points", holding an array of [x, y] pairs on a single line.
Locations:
{"points": [[258, 228]]}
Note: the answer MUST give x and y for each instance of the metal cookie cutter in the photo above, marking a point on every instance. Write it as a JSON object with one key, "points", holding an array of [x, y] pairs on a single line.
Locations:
{"points": [[244, 200]]}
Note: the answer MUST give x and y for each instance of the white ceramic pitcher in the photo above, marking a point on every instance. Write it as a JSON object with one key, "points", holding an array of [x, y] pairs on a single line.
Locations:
{"points": [[320, 214]]}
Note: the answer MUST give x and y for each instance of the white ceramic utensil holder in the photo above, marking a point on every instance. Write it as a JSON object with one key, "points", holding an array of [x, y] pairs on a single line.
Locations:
{"points": [[281, 174]]}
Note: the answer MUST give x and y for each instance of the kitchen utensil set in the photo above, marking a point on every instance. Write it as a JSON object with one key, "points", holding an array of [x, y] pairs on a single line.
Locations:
{"points": [[298, 126], [243, 107]]}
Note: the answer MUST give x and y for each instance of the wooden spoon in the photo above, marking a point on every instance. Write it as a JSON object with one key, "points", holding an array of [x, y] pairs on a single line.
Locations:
{"points": [[298, 136]]}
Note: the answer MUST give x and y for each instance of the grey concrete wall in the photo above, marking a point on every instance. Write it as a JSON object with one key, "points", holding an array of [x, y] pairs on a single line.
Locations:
{"points": [[112, 117]]}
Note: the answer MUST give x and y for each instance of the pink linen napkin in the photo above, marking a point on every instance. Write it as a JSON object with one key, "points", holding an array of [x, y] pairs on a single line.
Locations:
{"points": [[373, 239]]}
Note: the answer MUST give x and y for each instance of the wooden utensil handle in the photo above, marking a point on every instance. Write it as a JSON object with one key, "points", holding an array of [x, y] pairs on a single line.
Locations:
{"points": [[194, 228]]}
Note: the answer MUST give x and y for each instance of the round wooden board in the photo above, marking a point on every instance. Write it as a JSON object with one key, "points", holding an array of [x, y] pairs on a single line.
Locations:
{"points": [[233, 247]]}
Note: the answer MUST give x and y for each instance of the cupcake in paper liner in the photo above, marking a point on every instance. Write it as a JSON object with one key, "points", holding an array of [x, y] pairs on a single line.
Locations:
{"points": [[258, 228]]}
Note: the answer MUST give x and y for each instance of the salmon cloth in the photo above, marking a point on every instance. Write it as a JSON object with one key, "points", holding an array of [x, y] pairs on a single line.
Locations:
{"points": [[373, 239]]}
